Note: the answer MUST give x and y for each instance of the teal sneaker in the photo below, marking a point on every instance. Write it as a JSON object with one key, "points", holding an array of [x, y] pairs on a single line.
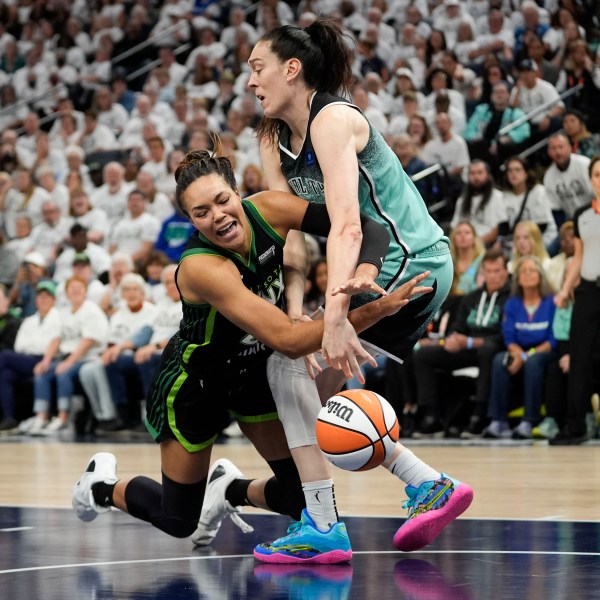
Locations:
{"points": [[304, 543], [302, 582], [431, 507]]}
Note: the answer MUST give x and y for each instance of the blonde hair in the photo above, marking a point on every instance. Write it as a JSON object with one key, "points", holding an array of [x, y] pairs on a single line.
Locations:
{"points": [[539, 250], [478, 250]]}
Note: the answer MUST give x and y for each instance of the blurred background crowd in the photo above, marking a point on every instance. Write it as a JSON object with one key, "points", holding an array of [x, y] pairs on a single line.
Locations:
{"points": [[490, 105]]}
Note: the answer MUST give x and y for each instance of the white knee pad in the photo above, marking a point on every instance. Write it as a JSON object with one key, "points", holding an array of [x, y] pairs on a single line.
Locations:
{"points": [[296, 398]]}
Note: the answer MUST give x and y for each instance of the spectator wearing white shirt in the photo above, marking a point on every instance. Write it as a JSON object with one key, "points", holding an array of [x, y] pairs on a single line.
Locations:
{"points": [[448, 149], [95, 136], [530, 93], [168, 60], [156, 165], [360, 97], [82, 269], [437, 81], [111, 196], [59, 193], [172, 18], [120, 265], [481, 204], [110, 114], [26, 142], [237, 22], [498, 39], [93, 219], [448, 16], [82, 336], [132, 137], [32, 82], [21, 243], [47, 237], [47, 156], [157, 203], [136, 312], [24, 198], [137, 231], [566, 181], [77, 243], [33, 337]]}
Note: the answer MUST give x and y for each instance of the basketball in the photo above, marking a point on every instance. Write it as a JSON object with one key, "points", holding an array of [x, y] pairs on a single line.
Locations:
{"points": [[356, 429]]}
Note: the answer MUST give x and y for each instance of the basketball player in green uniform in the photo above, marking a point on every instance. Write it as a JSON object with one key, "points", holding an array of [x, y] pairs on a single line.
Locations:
{"points": [[230, 278], [319, 146]]}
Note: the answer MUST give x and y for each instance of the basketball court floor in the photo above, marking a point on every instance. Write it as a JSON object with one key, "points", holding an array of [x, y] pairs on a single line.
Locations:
{"points": [[532, 532]]}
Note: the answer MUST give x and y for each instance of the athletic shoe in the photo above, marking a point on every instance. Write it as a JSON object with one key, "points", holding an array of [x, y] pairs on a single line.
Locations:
{"points": [[32, 426], [497, 430], [102, 467], [591, 426], [54, 427], [316, 582], [431, 506], [215, 507], [304, 543], [8, 425], [546, 430], [522, 431], [566, 437]]}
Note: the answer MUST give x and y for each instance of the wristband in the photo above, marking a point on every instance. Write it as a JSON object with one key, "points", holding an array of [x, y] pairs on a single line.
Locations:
{"points": [[531, 351], [469, 343], [524, 356]]}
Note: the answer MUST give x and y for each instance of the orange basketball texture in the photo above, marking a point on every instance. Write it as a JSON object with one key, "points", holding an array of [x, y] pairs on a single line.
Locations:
{"points": [[356, 429]]}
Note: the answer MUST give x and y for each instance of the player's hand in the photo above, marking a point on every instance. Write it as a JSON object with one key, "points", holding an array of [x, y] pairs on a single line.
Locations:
{"points": [[358, 285], [342, 350], [400, 297]]}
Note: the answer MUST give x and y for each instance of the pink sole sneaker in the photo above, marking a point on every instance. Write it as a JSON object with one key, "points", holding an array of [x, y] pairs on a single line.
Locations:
{"points": [[420, 530], [327, 558]]}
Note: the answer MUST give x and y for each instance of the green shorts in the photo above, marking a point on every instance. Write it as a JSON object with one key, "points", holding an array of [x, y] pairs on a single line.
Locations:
{"points": [[193, 409]]}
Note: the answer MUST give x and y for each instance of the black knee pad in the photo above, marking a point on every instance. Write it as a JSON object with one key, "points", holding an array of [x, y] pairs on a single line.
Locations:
{"points": [[283, 492], [173, 507]]}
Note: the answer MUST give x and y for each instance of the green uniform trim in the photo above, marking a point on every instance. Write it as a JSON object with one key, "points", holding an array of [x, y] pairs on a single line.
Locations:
{"points": [[273, 233], [255, 418]]}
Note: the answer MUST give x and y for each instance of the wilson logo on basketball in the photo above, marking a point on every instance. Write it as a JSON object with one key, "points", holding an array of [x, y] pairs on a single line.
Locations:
{"points": [[343, 412]]}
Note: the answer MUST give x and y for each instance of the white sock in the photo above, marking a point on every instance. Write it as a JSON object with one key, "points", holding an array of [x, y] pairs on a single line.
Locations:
{"points": [[412, 470], [320, 503]]}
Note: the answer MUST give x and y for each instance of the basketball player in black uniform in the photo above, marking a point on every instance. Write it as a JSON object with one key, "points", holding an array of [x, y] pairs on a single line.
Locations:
{"points": [[231, 283]]}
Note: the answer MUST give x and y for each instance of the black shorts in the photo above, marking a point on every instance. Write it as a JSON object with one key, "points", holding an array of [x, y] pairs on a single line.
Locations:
{"points": [[194, 410]]}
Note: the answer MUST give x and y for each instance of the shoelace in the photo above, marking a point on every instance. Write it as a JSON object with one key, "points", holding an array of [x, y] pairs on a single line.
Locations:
{"points": [[235, 517]]}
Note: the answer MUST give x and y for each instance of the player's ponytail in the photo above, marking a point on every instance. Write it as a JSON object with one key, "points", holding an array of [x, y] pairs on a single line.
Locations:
{"points": [[199, 163]]}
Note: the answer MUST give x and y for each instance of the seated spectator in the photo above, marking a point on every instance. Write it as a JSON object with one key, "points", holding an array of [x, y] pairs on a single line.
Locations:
{"points": [[485, 123], [120, 265], [497, 40], [83, 329], [404, 83], [23, 198], [94, 220], [82, 269], [111, 114], [48, 236], [582, 141], [399, 123], [566, 181], [135, 313], [530, 94], [136, 233], [579, 69], [77, 242], [404, 148], [440, 81], [21, 243], [174, 235], [526, 200], [59, 194], [419, 131], [441, 104], [474, 341], [22, 294], [536, 51], [481, 204], [166, 184], [527, 241], [253, 181], [532, 23], [157, 203], [151, 270], [557, 267], [9, 263], [156, 165], [449, 150], [467, 250], [111, 196], [32, 340], [530, 343], [95, 136], [147, 343]]}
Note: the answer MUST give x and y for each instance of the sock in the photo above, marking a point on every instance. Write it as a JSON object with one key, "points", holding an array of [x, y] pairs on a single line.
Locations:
{"points": [[320, 503], [412, 470], [103, 493], [237, 492]]}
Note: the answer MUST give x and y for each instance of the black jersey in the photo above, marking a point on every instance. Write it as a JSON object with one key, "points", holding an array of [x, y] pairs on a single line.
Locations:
{"points": [[207, 340]]}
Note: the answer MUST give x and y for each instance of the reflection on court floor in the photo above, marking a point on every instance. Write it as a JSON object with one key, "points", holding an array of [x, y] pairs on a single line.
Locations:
{"points": [[47, 554]]}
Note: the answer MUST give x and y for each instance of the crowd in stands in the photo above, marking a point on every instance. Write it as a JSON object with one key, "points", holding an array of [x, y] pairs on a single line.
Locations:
{"points": [[100, 101]]}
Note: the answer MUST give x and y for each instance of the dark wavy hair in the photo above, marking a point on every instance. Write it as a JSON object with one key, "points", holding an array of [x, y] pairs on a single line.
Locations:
{"points": [[324, 51], [199, 163]]}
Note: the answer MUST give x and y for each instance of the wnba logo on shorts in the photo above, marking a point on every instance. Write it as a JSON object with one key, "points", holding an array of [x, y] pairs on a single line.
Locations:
{"points": [[310, 159], [339, 410]]}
